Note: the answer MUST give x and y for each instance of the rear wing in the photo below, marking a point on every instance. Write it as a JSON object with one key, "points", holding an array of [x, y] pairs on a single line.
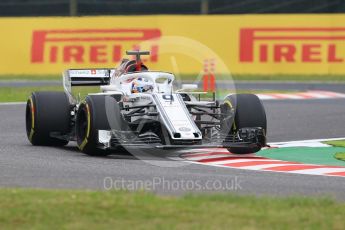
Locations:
{"points": [[86, 77]]}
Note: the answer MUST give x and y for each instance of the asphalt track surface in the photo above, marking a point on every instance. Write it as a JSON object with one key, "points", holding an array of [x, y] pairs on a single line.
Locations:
{"points": [[23, 165]]}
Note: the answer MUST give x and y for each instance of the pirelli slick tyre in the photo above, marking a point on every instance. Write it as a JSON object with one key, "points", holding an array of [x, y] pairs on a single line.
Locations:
{"points": [[92, 117], [248, 113], [47, 117]]}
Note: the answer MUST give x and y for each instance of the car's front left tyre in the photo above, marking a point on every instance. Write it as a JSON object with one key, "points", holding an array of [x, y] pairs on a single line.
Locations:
{"points": [[48, 118], [244, 111]]}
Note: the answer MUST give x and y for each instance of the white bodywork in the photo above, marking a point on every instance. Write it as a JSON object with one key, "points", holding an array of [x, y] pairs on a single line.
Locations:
{"points": [[172, 110]]}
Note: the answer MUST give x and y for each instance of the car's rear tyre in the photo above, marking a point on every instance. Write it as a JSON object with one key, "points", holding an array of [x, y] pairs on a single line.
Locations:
{"points": [[47, 118], [249, 113], [92, 117]]}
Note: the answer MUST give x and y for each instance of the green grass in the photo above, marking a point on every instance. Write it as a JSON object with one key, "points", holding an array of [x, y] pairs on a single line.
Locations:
{"points": [[42, 209], [30, 77], [19, 94], [340, 156], [16, 94], [236, 77], [339, 143]]}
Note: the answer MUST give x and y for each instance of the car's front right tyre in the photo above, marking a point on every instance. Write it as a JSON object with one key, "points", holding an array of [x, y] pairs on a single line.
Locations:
{"points": [[92, 117]]}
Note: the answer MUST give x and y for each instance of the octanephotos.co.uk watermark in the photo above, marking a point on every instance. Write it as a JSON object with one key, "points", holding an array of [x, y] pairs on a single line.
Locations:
{"points": [[163, 184]]}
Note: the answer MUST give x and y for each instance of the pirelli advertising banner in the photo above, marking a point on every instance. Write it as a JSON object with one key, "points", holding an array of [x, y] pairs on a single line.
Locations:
{"points": [[253, 44]]}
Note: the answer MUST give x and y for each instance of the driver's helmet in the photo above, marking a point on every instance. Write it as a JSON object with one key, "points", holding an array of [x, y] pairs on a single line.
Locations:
{"points": [[141, 85]]}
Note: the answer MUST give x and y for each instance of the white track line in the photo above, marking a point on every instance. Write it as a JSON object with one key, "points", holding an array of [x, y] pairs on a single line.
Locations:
{"points": [[263, 167], [208, 157], [307, 141], [301, 95], [265, 171], [224, 162], [319, 171], [12, 103]]}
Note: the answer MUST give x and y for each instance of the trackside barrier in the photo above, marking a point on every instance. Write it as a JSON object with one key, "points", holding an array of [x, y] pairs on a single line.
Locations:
{"points": [[246, 44]]}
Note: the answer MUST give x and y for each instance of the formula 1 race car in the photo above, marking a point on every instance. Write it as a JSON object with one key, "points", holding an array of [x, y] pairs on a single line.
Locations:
{"points": [[139, 108]]}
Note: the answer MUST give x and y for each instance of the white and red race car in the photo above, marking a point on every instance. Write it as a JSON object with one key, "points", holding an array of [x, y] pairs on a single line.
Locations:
{"points": [[137, 107]]}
